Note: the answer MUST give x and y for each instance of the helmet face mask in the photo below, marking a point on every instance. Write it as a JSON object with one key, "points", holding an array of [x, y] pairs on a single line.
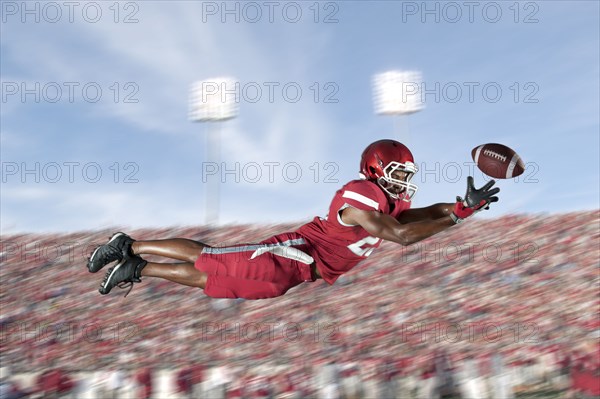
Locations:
{"points": [[391, 165], [396, 180]]}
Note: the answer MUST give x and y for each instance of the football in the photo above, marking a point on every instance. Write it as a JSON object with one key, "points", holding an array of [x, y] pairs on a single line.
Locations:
{"points": [[498, 161]]}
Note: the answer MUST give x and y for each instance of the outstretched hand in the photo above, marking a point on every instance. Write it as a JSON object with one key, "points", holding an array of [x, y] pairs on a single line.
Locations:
{"points": [[475, 200], [474, 197]]}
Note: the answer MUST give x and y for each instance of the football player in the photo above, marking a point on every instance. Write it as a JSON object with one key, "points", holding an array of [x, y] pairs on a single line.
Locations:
{"points": [[362, 214]]}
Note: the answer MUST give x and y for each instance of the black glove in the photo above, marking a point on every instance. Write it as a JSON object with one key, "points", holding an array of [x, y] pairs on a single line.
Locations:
{"points": [[475, 200], [474, 197]]}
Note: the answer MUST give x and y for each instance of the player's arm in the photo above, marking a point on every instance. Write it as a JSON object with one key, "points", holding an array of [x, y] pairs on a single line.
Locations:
{"points": [[475, 200], [388, 228], [433, 212]]}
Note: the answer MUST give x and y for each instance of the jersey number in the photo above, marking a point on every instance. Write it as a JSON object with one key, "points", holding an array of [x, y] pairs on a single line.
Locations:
{"points": [[357, 248]]}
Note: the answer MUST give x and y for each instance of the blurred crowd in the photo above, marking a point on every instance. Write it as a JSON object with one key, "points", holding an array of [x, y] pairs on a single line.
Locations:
{"points": [[490, 309]]}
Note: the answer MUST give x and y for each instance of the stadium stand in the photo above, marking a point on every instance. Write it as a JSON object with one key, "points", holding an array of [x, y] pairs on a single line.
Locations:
{"points": [[505, 308]]}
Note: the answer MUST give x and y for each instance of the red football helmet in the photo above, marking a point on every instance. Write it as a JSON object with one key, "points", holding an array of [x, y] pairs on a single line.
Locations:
{"points": [[391, 165]]}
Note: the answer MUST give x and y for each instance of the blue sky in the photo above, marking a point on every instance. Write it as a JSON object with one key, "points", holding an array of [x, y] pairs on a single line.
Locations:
{"points": [[544, 56]]}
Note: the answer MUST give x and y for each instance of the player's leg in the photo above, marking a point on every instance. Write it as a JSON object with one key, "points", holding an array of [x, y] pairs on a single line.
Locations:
{"points": [[251, 271], [181, 273], [174, 248], [120, 245], [131, 269]]}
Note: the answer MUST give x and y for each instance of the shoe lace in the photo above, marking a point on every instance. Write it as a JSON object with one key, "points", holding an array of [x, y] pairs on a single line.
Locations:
{"points": [[124, 285]]}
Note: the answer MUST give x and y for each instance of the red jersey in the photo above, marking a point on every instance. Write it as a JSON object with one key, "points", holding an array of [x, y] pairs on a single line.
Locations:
{"points": [[337, 246]]}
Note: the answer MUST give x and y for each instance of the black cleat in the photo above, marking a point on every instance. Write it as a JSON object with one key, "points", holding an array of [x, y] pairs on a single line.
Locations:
{"points": [[115, 249], [124, 274]]}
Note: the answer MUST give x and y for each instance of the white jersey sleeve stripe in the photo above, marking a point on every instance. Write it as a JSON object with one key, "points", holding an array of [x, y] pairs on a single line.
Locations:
{"points": [[362, 199]]}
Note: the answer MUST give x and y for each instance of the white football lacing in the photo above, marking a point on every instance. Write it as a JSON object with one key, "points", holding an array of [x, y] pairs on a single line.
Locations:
{"points": [[494, 154]]}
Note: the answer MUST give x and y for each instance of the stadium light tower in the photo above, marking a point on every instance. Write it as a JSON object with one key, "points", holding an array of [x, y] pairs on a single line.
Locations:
{"points": [[397, 93], [214, 101]]}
